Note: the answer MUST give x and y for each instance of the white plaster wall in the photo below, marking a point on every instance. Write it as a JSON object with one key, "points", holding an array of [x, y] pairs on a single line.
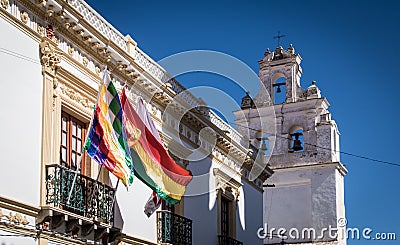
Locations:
{"points": [[251, 220], [200, 206], [324, 198], [5, 240], [302, 198], [341, 211], [131, 207], [21, 116]]}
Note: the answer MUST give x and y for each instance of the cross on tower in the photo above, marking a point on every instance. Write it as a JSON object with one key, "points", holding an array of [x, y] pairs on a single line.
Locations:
{"points": [[279, 37]]}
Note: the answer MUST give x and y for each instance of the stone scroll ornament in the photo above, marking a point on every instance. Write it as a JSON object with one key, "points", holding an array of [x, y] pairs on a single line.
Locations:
{"points": [[48, 55]]}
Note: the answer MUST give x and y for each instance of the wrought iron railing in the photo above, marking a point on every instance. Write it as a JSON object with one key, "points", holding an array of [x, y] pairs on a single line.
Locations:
{"points": [[173, 229], [225, 240], [89, 198]]}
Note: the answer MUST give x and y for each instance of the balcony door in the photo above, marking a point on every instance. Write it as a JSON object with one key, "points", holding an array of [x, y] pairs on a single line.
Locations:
{"points": [[73, 133]]}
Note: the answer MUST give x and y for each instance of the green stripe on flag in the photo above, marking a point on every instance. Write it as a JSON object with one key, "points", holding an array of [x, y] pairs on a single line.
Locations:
{"points": [[117, 126], [112, 89], [115, 107], [141, 174], [121, 141]]}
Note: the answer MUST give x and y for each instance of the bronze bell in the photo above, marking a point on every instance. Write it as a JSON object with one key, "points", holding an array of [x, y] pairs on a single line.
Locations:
{"points": [[297, 143], [263, 146]]}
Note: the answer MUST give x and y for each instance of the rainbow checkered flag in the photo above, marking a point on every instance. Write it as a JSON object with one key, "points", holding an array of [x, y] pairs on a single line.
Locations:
{"points": [[107, 143]]}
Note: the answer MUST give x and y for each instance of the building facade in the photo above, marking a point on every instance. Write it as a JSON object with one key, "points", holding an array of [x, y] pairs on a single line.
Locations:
{"points": [[53, 54]]}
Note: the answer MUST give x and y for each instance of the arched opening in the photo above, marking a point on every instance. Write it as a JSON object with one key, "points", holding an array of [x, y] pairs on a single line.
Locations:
{"points": [[296, 140], [279, 90]]}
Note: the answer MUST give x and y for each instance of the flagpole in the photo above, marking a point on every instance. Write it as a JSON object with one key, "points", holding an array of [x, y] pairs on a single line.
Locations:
{"points": [[95, 187], [75, 176], [101, 166], [78, 167], [115, 194]]}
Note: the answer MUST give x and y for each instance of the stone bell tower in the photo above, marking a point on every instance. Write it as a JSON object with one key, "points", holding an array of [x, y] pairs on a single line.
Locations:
{"points": [[304, 198]]}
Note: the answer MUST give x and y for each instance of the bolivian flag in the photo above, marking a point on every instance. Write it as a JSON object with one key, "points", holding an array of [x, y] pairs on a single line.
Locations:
{"points": [[152, 163]]}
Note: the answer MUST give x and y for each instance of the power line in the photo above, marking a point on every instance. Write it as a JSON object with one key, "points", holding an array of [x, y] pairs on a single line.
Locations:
{"points": [[19, 56], [13, 235], [26, 58], [328, 149], [317, 146]]}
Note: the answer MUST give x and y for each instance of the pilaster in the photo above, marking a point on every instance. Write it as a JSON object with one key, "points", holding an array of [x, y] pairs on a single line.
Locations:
{"points": [[49, 57]]}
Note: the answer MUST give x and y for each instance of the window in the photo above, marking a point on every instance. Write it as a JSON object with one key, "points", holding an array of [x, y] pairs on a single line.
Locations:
{"points": [[73, 133], [224, 217]]}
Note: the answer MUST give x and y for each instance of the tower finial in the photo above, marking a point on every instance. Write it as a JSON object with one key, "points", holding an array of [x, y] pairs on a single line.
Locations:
{"points": [[279, 37]]}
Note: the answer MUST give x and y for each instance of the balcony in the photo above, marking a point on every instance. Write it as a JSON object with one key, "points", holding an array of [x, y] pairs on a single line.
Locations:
{"points": [[89, 198], [87, 215], [173, 229], [224, 240]]}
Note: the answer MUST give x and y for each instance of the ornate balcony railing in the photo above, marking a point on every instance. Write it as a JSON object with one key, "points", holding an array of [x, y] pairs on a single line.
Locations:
{"points": [[225, 240], [89, 198], [173, 229]]}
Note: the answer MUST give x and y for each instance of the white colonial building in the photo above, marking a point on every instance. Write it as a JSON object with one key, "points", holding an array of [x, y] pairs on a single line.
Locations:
{"points": [[52, 54]]}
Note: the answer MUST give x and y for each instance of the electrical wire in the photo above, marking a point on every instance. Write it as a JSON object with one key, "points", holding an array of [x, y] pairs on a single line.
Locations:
{"points": [[19, 56], [328, 149], [317, 146], [14, 235]]}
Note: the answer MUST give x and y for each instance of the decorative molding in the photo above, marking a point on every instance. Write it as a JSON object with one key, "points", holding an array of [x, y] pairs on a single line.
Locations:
{"points": [[17, 219], [48, 55], [4, 4], [56, 39], [71, 51], [226, 183], [40, 29], [85, 61], [97, 70], [18, 206], [75, 96], [40, 3], [24, 17], [96, 21]]}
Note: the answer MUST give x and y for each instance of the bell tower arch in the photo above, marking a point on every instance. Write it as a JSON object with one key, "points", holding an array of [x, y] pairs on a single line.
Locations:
{"points": [[280, 64], [308, 177]]}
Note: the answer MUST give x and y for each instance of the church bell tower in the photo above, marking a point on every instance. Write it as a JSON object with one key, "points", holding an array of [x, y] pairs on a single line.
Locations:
{"points": [[304, 198]]}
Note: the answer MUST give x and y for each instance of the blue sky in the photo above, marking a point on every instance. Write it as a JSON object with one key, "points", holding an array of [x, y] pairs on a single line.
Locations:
{"points": [[349, 47]]}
